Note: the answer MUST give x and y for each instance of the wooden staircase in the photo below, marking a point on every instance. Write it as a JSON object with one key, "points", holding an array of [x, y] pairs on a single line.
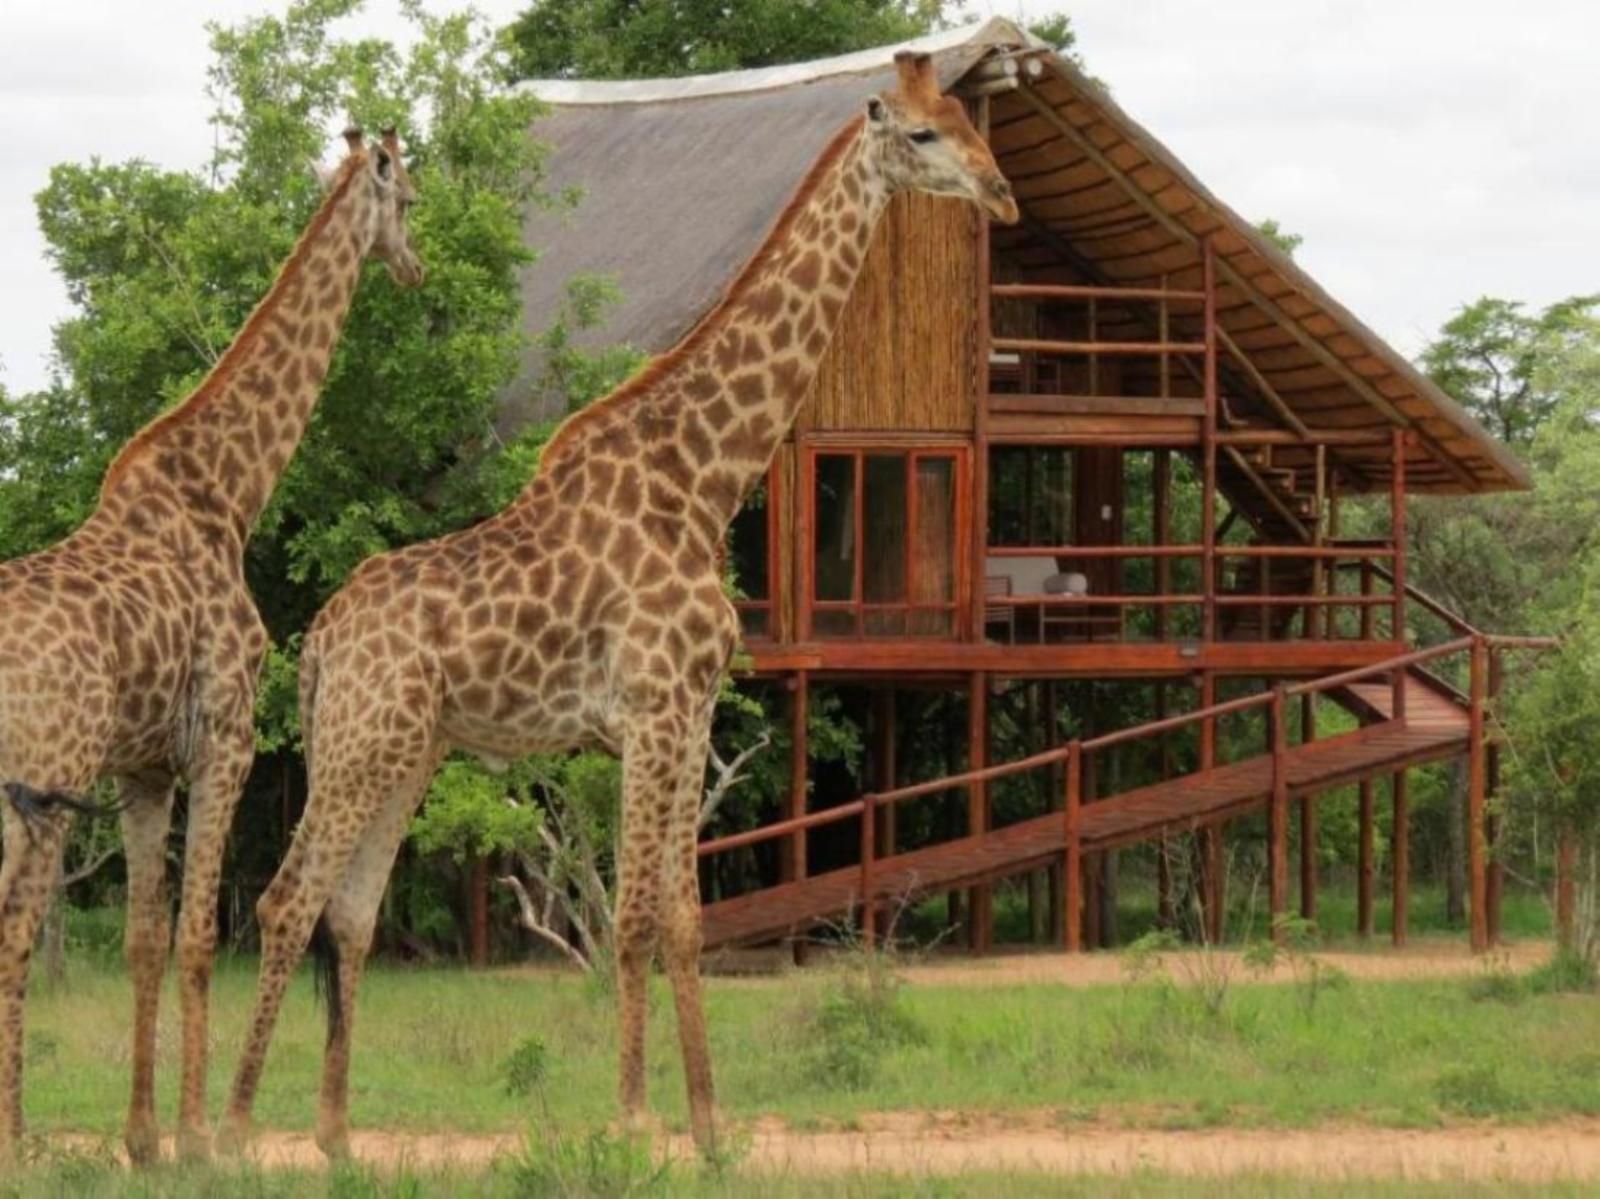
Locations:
{"points": [[1436, 724]]}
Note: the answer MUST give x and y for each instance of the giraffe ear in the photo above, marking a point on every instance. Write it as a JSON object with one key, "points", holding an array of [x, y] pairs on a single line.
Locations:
{"points": [[876, 112], [383, 163]]}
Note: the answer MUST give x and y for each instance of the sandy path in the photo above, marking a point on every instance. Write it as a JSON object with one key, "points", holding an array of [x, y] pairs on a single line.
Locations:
{"points": [[1425, 959], [1442, 959], [951, 1143]]}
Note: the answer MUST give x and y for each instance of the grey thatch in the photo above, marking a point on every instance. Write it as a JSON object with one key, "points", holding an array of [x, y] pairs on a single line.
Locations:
{"points": [[681, 179]]}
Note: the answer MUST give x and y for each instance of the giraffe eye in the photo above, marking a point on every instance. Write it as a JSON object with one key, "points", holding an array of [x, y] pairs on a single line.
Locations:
{"points": [[923, 137]]}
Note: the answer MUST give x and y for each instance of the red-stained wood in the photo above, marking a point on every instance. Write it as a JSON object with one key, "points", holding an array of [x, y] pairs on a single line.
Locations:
{"points": [[910, 656], [794, 861], [1208, 434], [1072, 861], [1308, 819], [1364, 862], [1278, 816], [1092, 405], [977, 509], [1035, 345], [1400, 836], [980, 924], [866, 893], [1398, 567], [1477, 767], [1073, 291]]}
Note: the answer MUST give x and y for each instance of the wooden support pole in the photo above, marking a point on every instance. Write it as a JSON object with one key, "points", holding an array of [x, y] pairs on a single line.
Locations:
{"points": [[1161, 533], [1567, 889], [793, 866], [1093, 892], [1278, 817], [978, 405], [979, 931], [1072, 863], [1364, 863], [1208, 493], [1496, 879], [1212, 858], [1397, 565], [886, 780], [869, 916], [1400, 856], [1308, 819], [1477, 770], [1165, 913], [1317, 618]]}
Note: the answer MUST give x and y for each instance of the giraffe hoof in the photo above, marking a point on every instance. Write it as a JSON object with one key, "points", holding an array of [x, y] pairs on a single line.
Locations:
{"points": [[194, 1144], [232, 1137], [333, 1138], [142, 1140]]}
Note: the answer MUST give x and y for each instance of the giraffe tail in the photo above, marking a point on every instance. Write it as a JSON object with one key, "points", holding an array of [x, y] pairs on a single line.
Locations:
{"points": [[325, 973], [33, 806]]}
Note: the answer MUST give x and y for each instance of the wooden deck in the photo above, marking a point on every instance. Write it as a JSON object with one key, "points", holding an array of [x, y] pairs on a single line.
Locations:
{"points": [[1435, 727]]}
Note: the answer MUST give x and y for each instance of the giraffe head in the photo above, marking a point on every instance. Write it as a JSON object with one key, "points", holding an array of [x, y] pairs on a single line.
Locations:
{"points": [[924, 142], [389, 189]]}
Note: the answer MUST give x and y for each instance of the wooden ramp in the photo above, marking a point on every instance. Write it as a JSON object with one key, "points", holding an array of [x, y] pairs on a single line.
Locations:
{"points": [[1435, 726]]}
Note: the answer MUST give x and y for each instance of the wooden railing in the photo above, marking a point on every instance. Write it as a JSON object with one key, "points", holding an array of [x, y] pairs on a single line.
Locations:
{"points": [[1323, 595], [1077, 754]]}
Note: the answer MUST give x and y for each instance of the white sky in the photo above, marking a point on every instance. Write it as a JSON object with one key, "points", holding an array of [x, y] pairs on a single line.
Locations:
{"points": [[1430, 151]]}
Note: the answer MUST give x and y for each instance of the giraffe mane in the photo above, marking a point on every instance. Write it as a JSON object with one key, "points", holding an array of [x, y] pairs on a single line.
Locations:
{"points": [[666, 362], [223, 370]]}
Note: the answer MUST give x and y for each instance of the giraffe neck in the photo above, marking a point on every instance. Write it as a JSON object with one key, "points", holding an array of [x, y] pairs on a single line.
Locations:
{"points": [[704, 420], [224, 448]]}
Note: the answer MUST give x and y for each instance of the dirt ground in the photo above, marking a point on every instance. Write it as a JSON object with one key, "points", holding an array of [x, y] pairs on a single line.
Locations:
{"points": [[951, 1143], [1425, 959]]}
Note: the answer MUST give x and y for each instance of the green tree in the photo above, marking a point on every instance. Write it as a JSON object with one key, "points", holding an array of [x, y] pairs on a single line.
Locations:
{"points": [[1488, 357], [1279, 236], [619, 39]]}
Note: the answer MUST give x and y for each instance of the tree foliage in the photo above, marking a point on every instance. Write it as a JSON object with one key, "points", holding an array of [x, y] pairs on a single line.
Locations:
{"points": [[620, 39]]}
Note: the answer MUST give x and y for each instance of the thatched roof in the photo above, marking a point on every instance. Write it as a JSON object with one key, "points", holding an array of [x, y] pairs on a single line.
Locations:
{"points": [[682, 178]]}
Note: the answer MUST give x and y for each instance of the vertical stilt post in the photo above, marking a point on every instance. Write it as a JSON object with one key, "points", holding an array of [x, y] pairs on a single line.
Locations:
{"points": [[1278, 817], [1364, 864], [1164, 908], [1208, 494], [1213, 882], [1400, 835], [1477, 770], [793, 866], [1496, 879], [1308, 819], [869, 908], [1398, 505], [979, 930], [1072, 863]]}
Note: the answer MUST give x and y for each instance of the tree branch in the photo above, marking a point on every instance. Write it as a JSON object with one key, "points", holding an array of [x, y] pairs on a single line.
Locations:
{"points": [[538, 927], [728, 775]]}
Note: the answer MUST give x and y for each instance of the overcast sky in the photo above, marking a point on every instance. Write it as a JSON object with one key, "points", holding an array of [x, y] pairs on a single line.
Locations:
{"points": [[1429, 151]]}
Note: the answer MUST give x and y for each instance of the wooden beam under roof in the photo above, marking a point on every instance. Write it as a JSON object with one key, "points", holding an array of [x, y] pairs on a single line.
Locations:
{"points": [[1287, 322]]}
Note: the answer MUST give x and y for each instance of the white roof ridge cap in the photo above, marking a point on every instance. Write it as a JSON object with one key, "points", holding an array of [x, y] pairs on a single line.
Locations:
{"points": [[568, 92]]}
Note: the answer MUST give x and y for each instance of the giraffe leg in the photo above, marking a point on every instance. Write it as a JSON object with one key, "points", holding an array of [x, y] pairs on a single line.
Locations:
{"points": [[146, 819], [646, 809], [32, 863], [351, 916], [356, 771], [681, 940], [214, 793]]}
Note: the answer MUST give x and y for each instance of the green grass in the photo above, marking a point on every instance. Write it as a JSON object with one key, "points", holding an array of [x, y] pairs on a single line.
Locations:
{"points": [[90, 1176], [433, 1049], [1524, 914]]}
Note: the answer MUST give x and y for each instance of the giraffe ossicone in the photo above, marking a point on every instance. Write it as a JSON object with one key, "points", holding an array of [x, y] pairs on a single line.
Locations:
{"points": [[591, 611], [132, 648]]}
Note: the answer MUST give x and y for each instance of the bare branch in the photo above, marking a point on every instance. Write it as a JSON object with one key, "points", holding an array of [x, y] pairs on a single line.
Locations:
{"points": [[538, 927], [729, 775], [88, 869]]}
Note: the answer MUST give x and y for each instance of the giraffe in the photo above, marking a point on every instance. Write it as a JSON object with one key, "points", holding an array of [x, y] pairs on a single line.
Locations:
{"points": [[132, 648], [590, 612]]}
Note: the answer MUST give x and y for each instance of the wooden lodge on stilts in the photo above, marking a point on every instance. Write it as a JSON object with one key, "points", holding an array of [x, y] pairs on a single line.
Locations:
{"points": [[1093, 525]]}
